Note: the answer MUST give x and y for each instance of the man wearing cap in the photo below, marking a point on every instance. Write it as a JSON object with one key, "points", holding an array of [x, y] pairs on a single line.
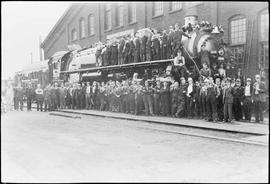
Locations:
{"points": [[238, 93], [181, 98], [211, 101], [157, 102], [126, 51], [174, 92], [202, 99], [228, 101], [131, 50], [120, 51], [137, 48], [39, 97], [219, 99], [190, 99], [147, 98], [178, 33], [170, 45], [164, 45], [156, 46], [247, 102], [258, 97], [148, 50], [114, 53], [165, 98], [143, 41]]}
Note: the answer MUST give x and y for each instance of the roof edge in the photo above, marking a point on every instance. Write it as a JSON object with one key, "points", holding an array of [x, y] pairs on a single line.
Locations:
{"points": [[57, 23]]}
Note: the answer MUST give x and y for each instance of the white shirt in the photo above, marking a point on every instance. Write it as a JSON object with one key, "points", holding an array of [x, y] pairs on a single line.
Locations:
{"points": [[88, 89], [247, 90], [189, 89]]}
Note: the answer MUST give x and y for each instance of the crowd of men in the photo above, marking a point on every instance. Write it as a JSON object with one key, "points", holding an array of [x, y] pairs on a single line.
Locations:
{"points": [[214, 99], [140, 47]]}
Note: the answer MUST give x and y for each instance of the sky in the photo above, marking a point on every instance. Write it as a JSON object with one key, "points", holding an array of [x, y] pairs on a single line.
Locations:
{"points": [[22, 24]]}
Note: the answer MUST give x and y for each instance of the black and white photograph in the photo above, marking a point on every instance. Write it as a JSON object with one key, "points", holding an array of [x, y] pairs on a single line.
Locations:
{"points": [[135, 91]]}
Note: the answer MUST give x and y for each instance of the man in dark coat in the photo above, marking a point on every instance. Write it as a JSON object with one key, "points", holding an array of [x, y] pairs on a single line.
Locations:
{"points": [[120, 51], [126, 52], [165, 99], [247, 102], [164, 45], [143, 41], [190, 99], [238, 93], [149, 49], [211, 101], [114, 54], [30, 95], [170, 45], [157, 100], [131, 51], [137, 48], [178, 33], [228, 101], [156, 46]]}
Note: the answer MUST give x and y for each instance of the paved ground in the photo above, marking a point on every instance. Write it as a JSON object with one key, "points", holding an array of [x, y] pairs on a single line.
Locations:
{"points": [[38, 147], [243, 127]]}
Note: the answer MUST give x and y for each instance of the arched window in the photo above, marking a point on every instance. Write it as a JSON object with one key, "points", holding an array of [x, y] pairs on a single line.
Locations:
{"points": [[238, 37], [91, 23], [73, 35], [82, 28]]}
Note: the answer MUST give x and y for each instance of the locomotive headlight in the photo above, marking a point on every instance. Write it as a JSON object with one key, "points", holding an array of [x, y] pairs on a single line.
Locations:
{"points": [[221, 51]]}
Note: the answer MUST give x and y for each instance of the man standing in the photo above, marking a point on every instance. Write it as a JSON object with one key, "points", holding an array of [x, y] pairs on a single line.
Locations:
{"points": [[247, 102], [170, 45], [40, 98], [238, 93], [114, 54], [181, 99], [156, 46], [178, 33], [30, 94], [62, 96], [120, 51], [190, 98], [228, 101], [126, 51], [165, 98], [19, 94], [157, 106], [149, 48], [131, 50], [137, 48], [88, 95], [174, 90], [258, 97], [47, 100], [219, 99], [143, 42], [164, 45], [211, 101]]}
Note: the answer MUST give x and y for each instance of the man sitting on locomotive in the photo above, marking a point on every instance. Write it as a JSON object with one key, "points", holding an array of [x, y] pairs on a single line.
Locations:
{"points": [[179, 64]]}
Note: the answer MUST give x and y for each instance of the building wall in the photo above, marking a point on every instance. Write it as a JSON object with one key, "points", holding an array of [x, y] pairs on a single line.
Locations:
{"points": [[214, 12]]}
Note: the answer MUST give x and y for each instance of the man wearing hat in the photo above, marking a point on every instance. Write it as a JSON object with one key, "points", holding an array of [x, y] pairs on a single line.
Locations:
{"points": [[120, 51], [165, 98], [178, 33], [137, 48], [170, 42], [181, 98], [156, 45], [190, 99], [228, 101], [164, 45], [238, 93], [202, 99], [247, 102], [157, 102]]}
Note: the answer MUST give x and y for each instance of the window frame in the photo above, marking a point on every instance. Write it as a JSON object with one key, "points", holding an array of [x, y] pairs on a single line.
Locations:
{"points": [[91, 26], [82, 28], [107, 10], [132, 13], [119, 20], [154, 9], [236, 18], [72, 34], [171, 9]]}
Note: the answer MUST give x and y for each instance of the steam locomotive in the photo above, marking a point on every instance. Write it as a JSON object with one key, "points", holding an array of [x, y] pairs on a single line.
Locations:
{"points": [[80, 64]]}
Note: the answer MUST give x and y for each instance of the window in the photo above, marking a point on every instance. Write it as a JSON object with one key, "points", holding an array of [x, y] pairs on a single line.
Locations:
{"points": [[91, 22], [238, 54], [82, 28], [175, 5], [238, 30], [108, 20], [264, 25], [73, 34], [157, 8], [119, 15], [131, 12]]}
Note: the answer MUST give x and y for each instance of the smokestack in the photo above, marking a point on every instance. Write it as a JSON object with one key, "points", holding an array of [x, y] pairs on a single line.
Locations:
{"points": [[40, 49]]}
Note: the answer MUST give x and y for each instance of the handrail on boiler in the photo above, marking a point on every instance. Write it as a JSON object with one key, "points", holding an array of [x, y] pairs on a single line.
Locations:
{"points": [[117, 66]]}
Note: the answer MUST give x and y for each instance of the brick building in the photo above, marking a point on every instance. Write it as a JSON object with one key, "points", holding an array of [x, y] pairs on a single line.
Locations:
{"points": [[245, 24]]}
